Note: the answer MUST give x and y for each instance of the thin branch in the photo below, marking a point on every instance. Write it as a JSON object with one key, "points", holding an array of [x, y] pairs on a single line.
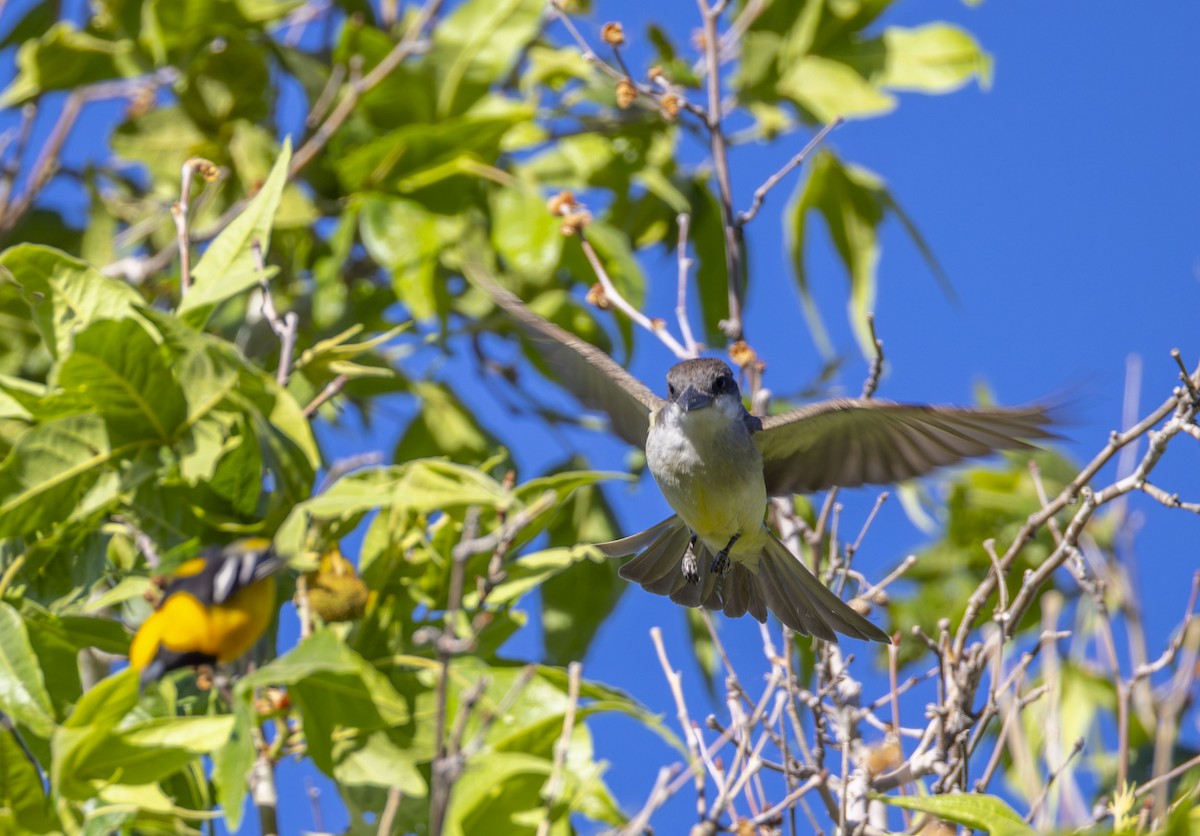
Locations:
{"points": [[675, 682], [332, 389], [554, 785], [46, 163], [876, 370], [655, 326], [685, 264], [356, 90], [733, 325], [1045, 791], [760, 194]]}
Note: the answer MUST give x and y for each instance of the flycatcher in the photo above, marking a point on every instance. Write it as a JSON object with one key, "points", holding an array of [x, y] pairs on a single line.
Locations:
{"points": [[716, 464]]}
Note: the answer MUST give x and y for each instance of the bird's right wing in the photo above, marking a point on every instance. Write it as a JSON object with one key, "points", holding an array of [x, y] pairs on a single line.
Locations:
{"points": [[594, 378]]}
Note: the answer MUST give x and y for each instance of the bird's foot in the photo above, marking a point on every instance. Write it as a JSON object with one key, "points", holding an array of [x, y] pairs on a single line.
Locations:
{"points": [[721, 564], [691, 567]]}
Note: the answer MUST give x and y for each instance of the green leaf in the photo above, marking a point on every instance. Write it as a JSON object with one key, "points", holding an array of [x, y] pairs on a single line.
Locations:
{"points": [[197, 735], [23, 695], [64, 293], [420, 486], [160, 140], [936, 58], [444, 425], [524, 232], [850, 200], [578, 600], [478, 44], [64, 58], [413, 158], [106, 703], [232, 764], [227, 267], [51, 469], [407, 239], [89, 757], [529, 571], [343, 699], [118, 368], [828, 89], [21, 791], [982, 812]]}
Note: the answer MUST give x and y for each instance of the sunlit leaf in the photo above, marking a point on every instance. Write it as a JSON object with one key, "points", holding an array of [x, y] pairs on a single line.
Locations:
{"points": [[983, 812]]}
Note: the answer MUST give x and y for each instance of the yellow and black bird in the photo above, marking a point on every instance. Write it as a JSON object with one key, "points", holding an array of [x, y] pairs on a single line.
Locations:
{"points": [[215, 607]]}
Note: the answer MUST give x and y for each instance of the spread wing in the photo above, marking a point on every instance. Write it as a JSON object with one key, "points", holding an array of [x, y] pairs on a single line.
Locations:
{"points": [[853, 442], [594, 378]]}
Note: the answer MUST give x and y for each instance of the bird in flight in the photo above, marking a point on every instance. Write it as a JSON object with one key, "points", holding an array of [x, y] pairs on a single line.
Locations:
{"points": [[716, 465]]}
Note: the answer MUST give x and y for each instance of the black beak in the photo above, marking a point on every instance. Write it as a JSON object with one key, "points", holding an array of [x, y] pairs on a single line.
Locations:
{"points": [[692, 398]]}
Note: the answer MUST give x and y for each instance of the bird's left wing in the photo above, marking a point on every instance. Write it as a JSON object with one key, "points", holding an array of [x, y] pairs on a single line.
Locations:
{"points": [[854, 442], [594, 378]]}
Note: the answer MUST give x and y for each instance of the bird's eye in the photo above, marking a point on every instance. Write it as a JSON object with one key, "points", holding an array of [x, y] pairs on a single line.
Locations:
{"points": [[720, 384], [670, 391]]}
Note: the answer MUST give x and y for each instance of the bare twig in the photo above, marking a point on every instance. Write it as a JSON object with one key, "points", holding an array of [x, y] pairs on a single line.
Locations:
{"points": [[554, 785], [733, 325], [655, 326], [332, 389], [685, 264], [760, 194], [675, 682]]}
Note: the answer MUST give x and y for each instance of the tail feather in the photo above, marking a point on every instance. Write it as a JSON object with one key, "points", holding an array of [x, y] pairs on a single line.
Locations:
{"points": [[660, 556], [803, 603], [782, 584], [739, 595], [634, 543]]}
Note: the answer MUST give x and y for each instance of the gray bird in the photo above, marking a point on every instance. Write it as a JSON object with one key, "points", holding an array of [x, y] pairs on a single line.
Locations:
{"points": [[716, 464]]}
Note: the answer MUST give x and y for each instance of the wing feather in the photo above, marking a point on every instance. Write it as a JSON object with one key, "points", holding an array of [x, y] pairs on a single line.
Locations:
{"points": [[854, 442], [594, 378]]}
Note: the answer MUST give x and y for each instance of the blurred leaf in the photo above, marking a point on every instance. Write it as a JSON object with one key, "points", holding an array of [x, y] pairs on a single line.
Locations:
{"points": [[23, 695], [49, 471], [124, 375], [63, 58], [402, 236], [524, 233], [849, 199], [64, 293], [983, 812], [232, 764], [576, 602], [828, 89], [22, 795], [334, 356], [704, 651], [936, 58], [554, 68], [444, 425], [228, 267], [708, 241], [479, 43], [161, 140], [344, 702]]}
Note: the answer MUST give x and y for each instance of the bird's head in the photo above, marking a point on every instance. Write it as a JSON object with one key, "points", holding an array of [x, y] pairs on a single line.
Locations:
{"points": [[696, 385]]}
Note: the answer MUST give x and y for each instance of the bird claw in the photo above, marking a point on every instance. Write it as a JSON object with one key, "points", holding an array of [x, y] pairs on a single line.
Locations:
{"points": [[721, 564]]}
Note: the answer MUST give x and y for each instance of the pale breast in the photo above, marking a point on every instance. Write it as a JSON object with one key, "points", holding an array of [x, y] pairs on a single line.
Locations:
{"points": [[710, 472]]}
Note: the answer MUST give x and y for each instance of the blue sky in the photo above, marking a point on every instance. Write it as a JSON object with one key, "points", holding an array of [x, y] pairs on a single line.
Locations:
{"points": [[1063, 204]]}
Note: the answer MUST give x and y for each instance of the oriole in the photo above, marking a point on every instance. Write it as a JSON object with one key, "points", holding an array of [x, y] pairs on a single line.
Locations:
{"points": [[213, 610]]}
